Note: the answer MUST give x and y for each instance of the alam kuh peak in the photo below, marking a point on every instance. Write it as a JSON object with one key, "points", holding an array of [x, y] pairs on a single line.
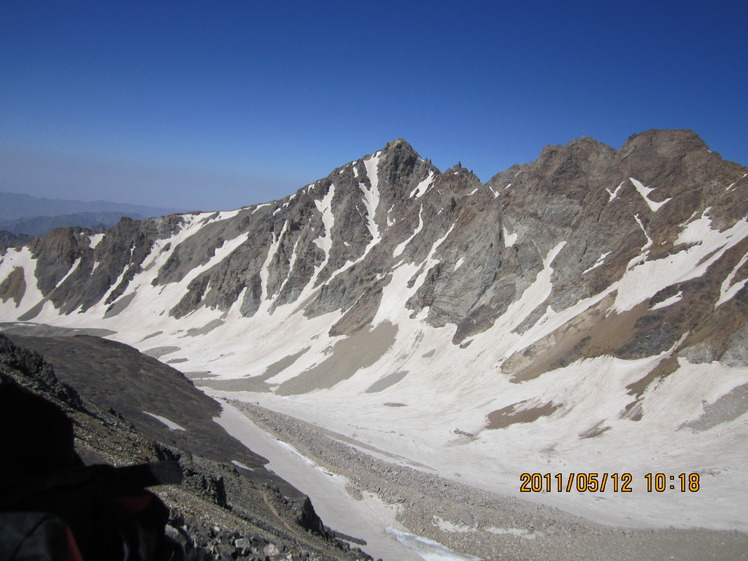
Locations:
{"points": [[585, 312]]}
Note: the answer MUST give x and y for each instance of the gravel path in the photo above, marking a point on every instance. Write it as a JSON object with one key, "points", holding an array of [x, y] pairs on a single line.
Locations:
{"points": [[488, 525]]}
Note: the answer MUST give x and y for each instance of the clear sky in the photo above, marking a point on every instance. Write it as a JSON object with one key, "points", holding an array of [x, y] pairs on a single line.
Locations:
{"points": [[219, 104]]}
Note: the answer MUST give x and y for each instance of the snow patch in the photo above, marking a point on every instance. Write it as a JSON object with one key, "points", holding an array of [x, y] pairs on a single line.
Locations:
{"points": [[428, 549], [509, 239], [647, 245], [600, 260], [643, 279], [72, 269], [401, 246], [171, 424], [732, 185], [94, 240], [644, 191], [324, 242], [728, 290], [668, 302], [614, 194], [517, 532], [423, 186]]}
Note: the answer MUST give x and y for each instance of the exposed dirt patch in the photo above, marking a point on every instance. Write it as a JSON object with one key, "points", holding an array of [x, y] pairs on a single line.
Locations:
{"points": [[387, 381], [207, 328], [727, 408], [502, 418], [664, 368], [14, 286], [597, 430], [158, 352], [362, 349], [588, 335], [254, 383], [119, 305]]}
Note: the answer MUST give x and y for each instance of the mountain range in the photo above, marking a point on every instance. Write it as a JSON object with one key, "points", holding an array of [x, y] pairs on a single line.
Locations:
{"points": [[22, 214], [585, 312]]}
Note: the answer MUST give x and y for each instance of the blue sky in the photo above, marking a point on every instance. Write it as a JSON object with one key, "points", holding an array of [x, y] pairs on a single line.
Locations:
{"points": [[209, 105]]}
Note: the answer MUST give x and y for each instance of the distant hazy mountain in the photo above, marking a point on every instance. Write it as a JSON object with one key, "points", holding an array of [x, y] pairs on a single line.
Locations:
{"points": [[16, 205], [7, 239], [32, 216], [38, 226]]}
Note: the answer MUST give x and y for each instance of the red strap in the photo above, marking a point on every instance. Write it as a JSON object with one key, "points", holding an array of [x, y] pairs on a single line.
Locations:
{"points": [[73, 552]]}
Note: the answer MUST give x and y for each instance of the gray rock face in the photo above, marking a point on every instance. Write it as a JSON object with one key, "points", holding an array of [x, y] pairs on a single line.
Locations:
{"points": [[476, 248]]}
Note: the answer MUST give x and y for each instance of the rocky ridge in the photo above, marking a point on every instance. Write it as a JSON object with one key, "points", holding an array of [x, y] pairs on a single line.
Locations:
{"points": [[342, 237], [589, 306]]}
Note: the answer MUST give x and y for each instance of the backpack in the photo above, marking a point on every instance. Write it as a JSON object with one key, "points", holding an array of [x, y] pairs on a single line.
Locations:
{"points": [[54, 508], [106, 513]]}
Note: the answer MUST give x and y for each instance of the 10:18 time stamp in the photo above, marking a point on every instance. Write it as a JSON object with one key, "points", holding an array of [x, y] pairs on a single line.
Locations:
{"points": [[600, 482]]}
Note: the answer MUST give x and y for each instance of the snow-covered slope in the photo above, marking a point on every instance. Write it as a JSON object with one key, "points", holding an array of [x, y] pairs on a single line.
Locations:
{"points": [[582, 313]]}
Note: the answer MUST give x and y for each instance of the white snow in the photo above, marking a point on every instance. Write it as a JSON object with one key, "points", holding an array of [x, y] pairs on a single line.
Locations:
{"points": [[264, 270], [241, 465], [291, 264], [644, 192], [71, 270], [732, 185], [614, 194], [509, 239], [644, 278], [602, 257], [428, 549], [94, 240], [423, 186], [728, 289], [371, 200], [668, 301], [226, 214], [649, 240], [324, 242], [401, 246], [331, 500], [171, 424], [517, 532], [460, 261], [15, 258]]}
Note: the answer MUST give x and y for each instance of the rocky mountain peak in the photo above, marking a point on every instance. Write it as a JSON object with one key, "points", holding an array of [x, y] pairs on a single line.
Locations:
{"points": [[665, 141]]}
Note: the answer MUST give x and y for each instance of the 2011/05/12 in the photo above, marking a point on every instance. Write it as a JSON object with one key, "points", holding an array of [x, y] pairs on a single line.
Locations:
{"points": [[594, 482]]}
